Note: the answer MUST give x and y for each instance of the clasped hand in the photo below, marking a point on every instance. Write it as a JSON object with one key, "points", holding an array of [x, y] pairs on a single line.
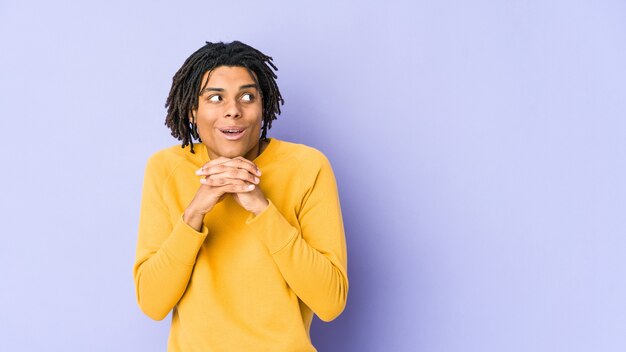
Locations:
{"points": [[219, 177]]}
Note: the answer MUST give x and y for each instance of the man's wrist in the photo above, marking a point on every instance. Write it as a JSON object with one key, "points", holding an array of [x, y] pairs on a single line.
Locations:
{"points": [[262, 207], [193, 218]]}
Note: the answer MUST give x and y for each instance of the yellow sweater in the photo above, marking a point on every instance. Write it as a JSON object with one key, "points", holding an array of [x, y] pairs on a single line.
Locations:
{"points": [[244, 283]]}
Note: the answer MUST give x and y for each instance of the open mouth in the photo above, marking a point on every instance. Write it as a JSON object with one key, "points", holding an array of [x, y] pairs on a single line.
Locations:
{"points": [[232, 133]]}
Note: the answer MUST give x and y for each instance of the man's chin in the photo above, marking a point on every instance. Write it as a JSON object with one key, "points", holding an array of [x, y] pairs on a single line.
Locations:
{"points": [[231, 154]]}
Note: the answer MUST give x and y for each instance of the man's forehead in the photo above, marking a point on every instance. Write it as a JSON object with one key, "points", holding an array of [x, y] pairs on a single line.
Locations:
{"points": [[223, 70]]}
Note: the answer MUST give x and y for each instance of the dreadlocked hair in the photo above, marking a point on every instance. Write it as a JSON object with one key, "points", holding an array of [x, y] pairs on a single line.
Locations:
{"points": [[186, 86]]}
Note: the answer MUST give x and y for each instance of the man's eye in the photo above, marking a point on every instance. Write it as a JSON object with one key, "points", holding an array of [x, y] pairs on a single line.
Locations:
{"points": [[247, 97], [215, 98]]}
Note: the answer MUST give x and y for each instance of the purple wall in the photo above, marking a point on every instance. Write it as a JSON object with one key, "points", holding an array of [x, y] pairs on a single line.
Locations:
{"points": [[479, 148]]}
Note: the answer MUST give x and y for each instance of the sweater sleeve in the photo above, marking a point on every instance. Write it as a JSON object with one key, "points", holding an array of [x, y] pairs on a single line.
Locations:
{"points": [[166, 251], [312, 260]]}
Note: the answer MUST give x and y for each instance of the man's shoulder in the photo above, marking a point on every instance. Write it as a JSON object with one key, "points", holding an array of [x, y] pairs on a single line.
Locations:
{"points": [[304, 155], [169, 158]]}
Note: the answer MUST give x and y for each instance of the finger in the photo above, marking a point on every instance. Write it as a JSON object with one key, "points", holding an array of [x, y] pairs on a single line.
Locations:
{"points": [[216, 161], [241, 158], [241, 187], [223, 181], [228, 172], [229, 164], [217, 182], [211, 163], [222, 160], [229, 175], [243, 163]]}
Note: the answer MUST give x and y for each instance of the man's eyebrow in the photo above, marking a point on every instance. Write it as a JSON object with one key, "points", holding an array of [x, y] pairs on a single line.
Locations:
{"points": [[209, 89], [213, 89], [251, 85]]}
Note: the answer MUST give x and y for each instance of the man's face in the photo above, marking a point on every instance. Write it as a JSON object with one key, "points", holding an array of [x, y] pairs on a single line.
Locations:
{"points": [[229, 113]]}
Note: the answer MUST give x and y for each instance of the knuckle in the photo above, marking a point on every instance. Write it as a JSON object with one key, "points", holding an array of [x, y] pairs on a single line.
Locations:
{"points": [[213, 181]]}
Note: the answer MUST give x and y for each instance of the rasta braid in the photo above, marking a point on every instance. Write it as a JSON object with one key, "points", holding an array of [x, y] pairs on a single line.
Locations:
{"points": [[183, 97]]}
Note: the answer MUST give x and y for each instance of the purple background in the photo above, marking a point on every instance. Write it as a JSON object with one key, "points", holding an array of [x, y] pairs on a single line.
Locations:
{"points": [[479, 149]]}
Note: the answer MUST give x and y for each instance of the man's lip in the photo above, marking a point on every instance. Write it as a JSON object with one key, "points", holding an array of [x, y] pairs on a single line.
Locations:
{"points": [[232, 136], [227, 128]]}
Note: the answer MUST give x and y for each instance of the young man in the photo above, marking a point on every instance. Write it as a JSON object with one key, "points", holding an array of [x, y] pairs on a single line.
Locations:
{"points": [[240, 236]]}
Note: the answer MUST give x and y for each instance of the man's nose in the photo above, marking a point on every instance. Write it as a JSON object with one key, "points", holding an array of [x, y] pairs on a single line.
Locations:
{"points": [[232, 110]]}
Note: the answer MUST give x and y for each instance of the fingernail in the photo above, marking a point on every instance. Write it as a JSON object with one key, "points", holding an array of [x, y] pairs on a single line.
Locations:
{"points": [[258, 172], [203, 180], [256, 179], [199, 172], [250, 187]]}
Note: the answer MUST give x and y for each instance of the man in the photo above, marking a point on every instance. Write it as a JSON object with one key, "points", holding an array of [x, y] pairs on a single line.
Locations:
{"points": [[241, 236]]}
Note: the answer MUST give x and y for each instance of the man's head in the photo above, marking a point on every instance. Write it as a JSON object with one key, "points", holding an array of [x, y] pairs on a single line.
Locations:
{"points": [[190, 82]]}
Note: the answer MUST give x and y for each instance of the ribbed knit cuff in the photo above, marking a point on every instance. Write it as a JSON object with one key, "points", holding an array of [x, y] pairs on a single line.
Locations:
{"points": [[185, 242], [272, 228]]}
